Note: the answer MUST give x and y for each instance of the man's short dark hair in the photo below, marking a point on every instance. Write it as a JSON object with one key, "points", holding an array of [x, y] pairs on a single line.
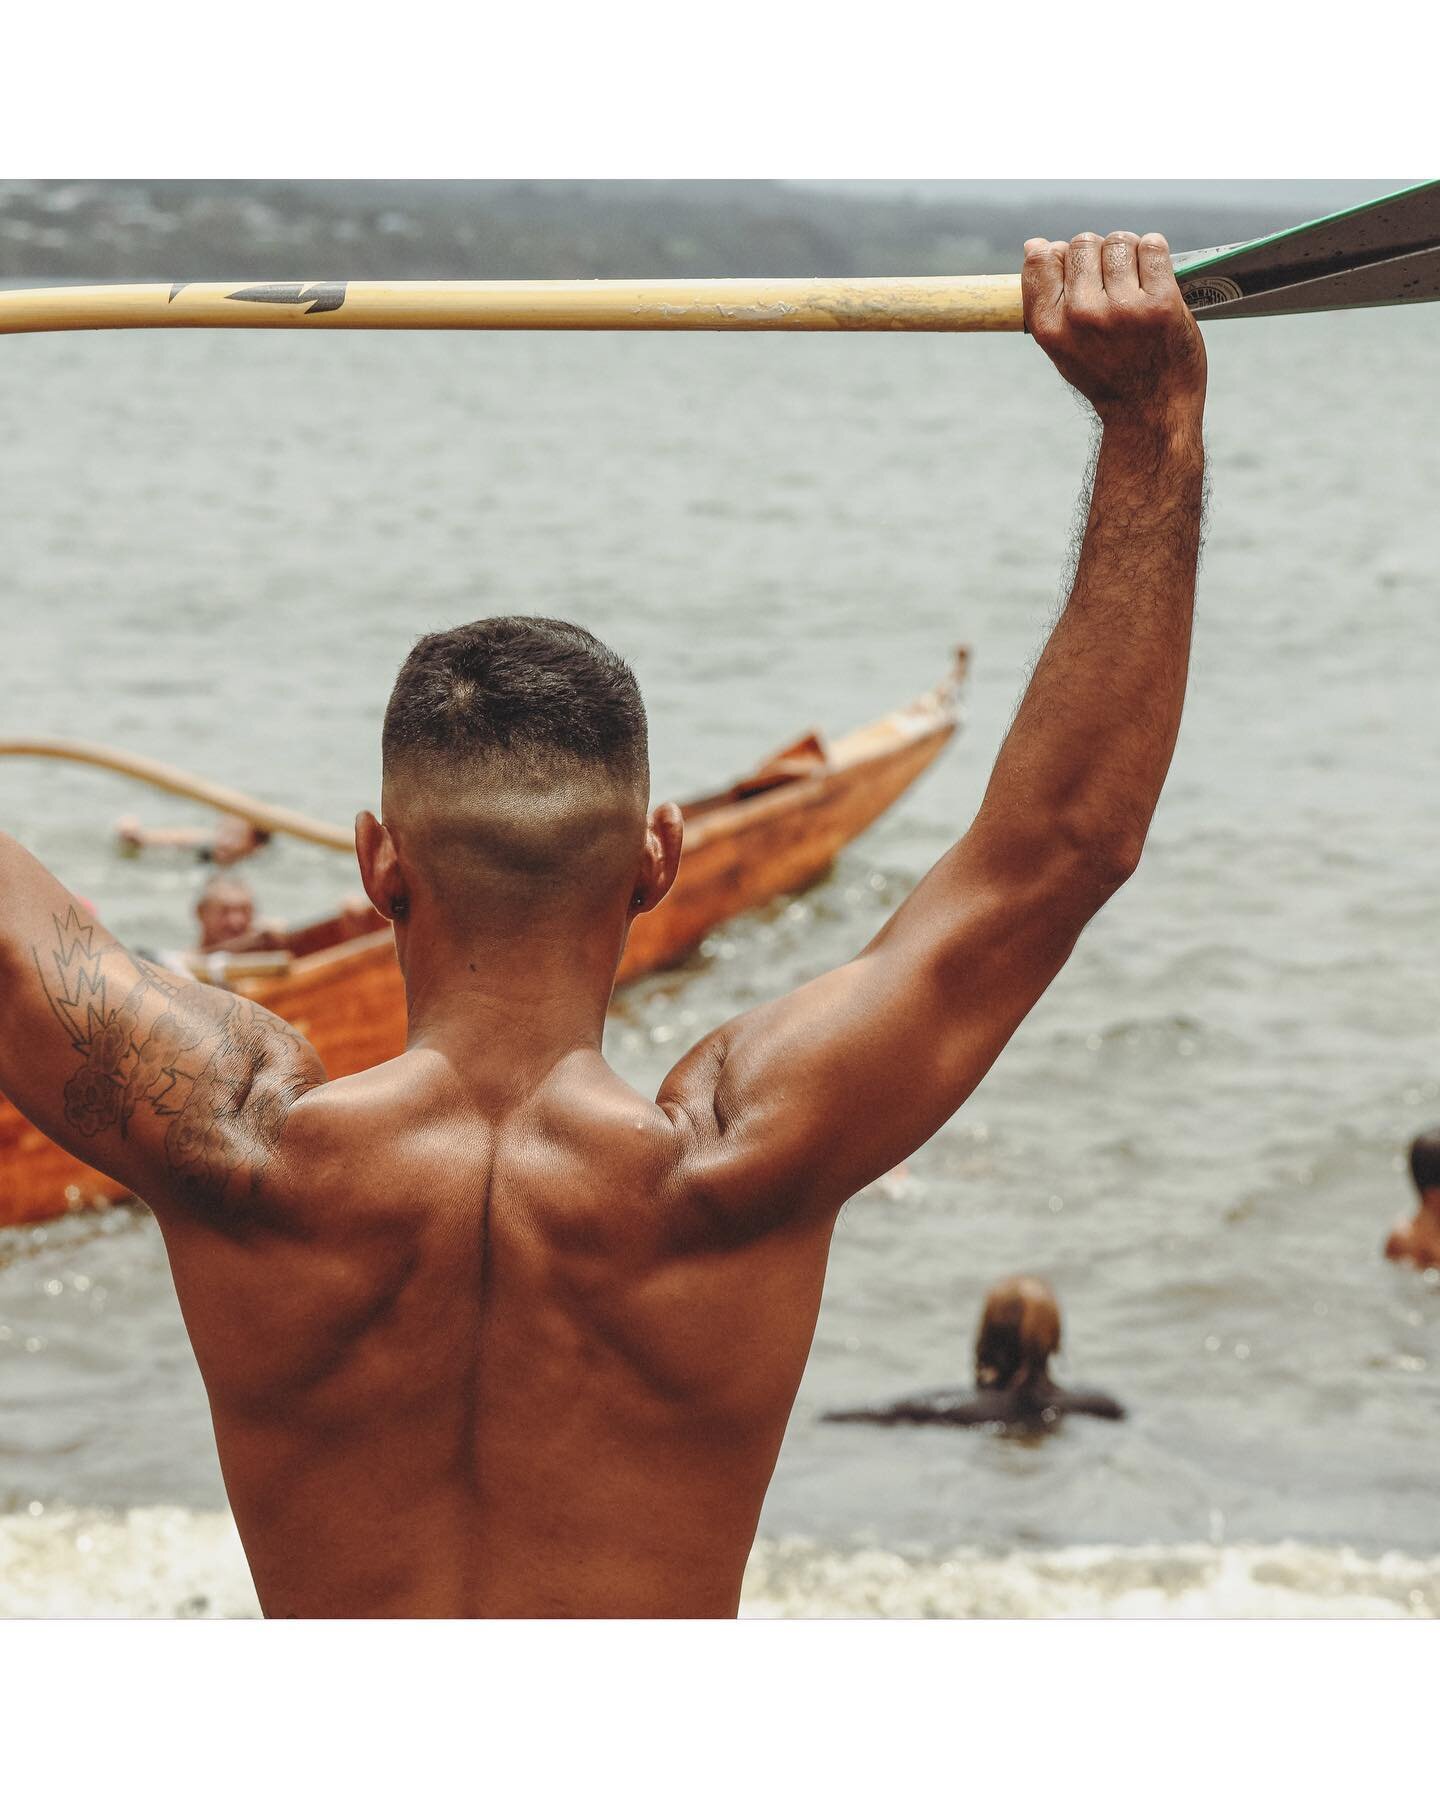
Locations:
{"points": [[539, 690], [1425, 1161]]}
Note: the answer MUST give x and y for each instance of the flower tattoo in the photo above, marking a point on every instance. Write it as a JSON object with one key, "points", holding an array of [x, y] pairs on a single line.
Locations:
{"points": [[222, 1073]]}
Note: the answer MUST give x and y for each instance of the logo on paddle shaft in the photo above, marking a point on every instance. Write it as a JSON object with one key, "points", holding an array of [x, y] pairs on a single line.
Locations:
{"points": [[1209, 290], [316, 296]]}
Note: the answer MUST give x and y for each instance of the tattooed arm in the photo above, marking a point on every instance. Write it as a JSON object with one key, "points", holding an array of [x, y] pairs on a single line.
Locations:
{"points": [[178, 1090]]}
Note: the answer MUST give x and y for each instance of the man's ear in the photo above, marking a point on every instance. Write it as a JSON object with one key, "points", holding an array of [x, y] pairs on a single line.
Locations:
{"points": [[380, 867], [664, 835]]}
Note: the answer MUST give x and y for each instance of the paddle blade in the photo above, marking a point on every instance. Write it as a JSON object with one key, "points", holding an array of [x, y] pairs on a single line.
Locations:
{"points": [[1384, 253]]}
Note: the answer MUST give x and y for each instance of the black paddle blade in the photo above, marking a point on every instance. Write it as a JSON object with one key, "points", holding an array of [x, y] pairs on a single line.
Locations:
{"points": [[1384, 253]]}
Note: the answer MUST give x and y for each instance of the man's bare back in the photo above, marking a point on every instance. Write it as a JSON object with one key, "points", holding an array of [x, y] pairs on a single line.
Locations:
{"points": [[523, 1379], [485, 1332]]}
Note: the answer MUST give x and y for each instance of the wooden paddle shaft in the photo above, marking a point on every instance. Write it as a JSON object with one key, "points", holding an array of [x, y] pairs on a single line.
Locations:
{"points": [[932, 303], [278, 818]]}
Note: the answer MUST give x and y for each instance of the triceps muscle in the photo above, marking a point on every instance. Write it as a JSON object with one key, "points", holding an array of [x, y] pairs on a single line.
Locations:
{"points": [[179, 1087]]}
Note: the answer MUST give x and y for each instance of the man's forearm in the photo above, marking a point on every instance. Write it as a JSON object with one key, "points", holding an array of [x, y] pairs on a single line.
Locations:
{"points": [[1088, 752], [1077, 780]]}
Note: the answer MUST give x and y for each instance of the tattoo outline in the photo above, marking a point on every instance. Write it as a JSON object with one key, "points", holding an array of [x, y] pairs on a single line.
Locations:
{"points": [[223, 1071]]}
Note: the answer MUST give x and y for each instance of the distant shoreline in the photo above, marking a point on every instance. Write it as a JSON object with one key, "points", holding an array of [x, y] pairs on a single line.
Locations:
{"points": [[62, 232]]}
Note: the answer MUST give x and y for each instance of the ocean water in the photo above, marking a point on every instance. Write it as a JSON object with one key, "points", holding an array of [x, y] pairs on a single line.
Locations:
{"points": [[218, 548]]}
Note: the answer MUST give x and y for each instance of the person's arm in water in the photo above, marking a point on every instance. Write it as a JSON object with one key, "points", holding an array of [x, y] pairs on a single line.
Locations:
{"points": [[790, 1109], [971, 1410], [131, 836], [177, 1090], [1089, 1404], [230, 841], [958, 1409]]}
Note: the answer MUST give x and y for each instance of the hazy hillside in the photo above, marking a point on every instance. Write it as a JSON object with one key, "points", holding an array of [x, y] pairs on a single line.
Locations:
{"points": [[198, 230]]}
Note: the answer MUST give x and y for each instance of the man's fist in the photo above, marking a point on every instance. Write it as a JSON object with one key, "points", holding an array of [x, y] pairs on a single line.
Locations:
{"points": [[1109, 315]]}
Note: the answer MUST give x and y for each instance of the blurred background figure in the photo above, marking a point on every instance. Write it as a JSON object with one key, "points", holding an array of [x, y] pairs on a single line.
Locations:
{"points": [[1019, 1332], [225, 912], [231, 840], [1418, 1238]]}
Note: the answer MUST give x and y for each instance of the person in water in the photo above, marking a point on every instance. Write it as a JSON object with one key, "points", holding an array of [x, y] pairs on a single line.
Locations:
{"points": [[232, 839], [1417, 1239], [484, 1330], [1019, 1332], [225, 914]]}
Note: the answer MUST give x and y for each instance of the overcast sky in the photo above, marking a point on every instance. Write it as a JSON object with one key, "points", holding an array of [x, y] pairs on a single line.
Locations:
{"points": [[1308, 197]]}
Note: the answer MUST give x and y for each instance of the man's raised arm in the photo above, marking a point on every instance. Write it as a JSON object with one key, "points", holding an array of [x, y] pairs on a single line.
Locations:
{"points": [[178, 1090], [791, 1108]]}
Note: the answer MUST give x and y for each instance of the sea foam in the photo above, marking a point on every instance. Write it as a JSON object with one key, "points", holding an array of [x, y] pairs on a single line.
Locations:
{"points": [[164, 1561]]}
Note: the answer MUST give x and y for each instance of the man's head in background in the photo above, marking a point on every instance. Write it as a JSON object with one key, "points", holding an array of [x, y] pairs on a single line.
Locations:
{"points": [[225, 910]]}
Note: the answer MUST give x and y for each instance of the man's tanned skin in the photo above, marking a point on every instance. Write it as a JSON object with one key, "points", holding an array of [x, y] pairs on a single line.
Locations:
{"points": [[487, 1333]]}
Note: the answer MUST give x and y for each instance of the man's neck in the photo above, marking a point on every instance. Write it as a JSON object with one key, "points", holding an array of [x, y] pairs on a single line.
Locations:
{"points": [[508, 1003]]}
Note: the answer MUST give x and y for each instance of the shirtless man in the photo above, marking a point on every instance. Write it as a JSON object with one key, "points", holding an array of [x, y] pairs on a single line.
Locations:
{"points": [[1014, 1393], [484, 1331], [1417, 1239]]}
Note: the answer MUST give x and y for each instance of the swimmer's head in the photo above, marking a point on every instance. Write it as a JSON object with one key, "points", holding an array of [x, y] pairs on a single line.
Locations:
{"points": [[1019, 1332], [1425, 1168], [225, 909], [234, 839]]}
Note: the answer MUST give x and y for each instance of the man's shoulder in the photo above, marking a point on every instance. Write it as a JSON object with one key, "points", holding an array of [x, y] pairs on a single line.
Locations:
{"points": [[590, 1132], [406, 1121], [584, 1154], [611, 1165], [371, 1130]]}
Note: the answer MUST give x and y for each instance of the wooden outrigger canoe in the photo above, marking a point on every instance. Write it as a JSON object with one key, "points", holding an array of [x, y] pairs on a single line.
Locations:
{"points": [[773, 832]]}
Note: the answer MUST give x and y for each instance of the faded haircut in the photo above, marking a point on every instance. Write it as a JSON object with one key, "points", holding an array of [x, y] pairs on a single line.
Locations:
{"points": [[540, 693]]}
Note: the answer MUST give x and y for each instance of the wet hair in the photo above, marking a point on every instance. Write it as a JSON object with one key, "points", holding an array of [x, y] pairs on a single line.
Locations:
{"points": [[1019, 1331], [535, 691], [1425, 1161]]}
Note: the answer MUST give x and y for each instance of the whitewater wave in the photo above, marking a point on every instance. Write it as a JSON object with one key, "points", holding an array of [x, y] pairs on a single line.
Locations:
{"points": [[1282, 1579], [160, 1561], [163, 1561]]}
